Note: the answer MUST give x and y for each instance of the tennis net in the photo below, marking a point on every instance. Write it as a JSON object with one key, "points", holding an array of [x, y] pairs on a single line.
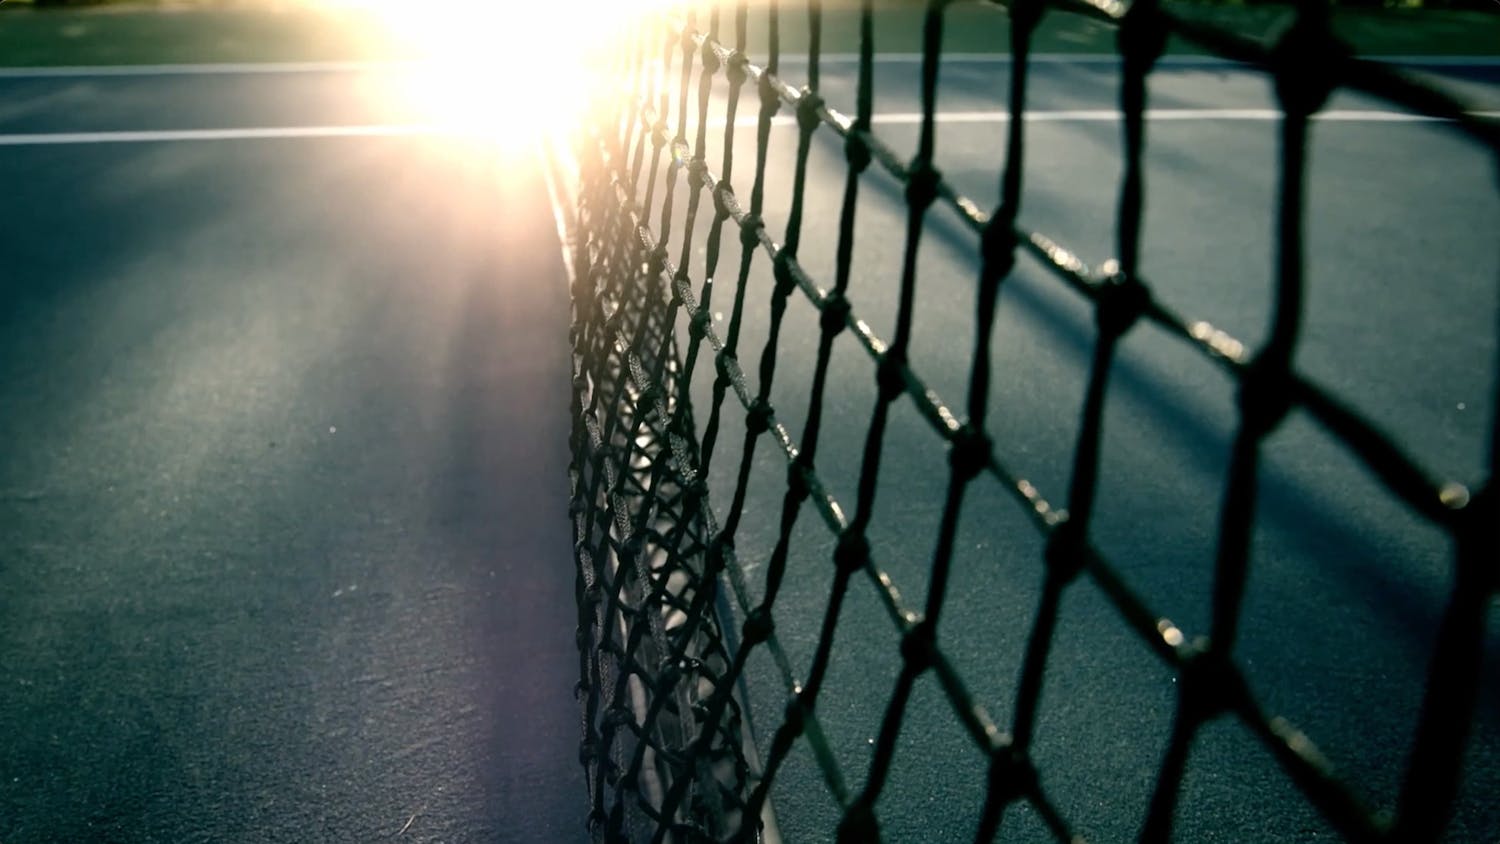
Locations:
{"points": [[673, 610]]}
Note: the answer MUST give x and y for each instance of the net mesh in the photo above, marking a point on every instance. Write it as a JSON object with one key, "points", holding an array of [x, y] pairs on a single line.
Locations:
{"points": [[667, 618]]}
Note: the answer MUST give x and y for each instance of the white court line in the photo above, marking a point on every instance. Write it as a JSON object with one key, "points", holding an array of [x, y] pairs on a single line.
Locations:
{"points": [[259, 133], [254, 68], [384, 130], [211, 69]]}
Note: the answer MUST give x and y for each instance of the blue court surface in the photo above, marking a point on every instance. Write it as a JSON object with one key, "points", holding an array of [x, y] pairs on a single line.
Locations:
{"points": [[283, 536], [283, 494], [1346, 586]]}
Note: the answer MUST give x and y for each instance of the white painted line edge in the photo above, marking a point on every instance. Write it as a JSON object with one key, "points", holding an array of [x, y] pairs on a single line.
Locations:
{"points": [[255, 68], [211, 69], [254, 133], [387, 130]]}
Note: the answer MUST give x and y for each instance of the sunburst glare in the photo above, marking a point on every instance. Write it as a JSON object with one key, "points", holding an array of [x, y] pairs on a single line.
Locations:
{"points": [[506, 72]]}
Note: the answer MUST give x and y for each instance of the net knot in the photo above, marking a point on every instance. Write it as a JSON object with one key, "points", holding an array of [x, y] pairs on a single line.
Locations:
{"points": [[588, 751], [857, 150], [758, 626], [647, 390], [852, 552], [697, 172], [1122, 301], [888, 376], [656, 261], [1208, 681], [922, 184], [998, 246], [1264, 395], [970, 452], [919, 647], [1306, 60], [736, 68], [750, 228], [807, 110], [721, 367], [667, 677], [1012, 776], [1142, 36], [1024, 16], [698, 324], [717, 549], [616, 717], [796, 479], [1065, 552], [758, 417], [794, 717], [770, 98], [835, 314], [710, 58], [590, 598], [632, 547], [858, 826]]}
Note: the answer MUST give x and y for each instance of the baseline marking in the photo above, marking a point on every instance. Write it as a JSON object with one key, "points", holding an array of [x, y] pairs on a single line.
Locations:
{"points": [[208, 69], [388, 130], [253, 133], [251, 68]]}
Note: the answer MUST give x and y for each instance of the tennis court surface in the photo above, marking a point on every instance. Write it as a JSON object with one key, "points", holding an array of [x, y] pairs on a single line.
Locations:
{"points": [[282, 492], [327, 464]]}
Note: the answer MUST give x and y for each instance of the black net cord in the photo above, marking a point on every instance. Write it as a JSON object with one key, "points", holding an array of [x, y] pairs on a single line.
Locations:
{"points": [[650, 557], [759, 624], [859, 821], [617, 482], [831, 325]]}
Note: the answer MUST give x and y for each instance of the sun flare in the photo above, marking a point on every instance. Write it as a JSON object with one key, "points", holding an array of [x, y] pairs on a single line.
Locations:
{"points": [[508, 72]]}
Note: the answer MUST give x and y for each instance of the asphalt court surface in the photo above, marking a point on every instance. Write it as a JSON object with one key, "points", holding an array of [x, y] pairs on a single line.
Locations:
{"points": [[180, 588], [283, 494]]}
